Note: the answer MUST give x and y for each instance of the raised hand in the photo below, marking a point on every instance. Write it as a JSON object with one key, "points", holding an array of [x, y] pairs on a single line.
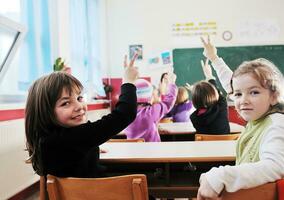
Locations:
{"points": [[210, 50], [207, 70], [171, 78], [131, 72], [188, 86]]}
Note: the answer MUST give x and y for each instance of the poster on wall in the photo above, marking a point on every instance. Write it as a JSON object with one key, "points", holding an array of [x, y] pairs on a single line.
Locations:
{"points": [[166, 57], [153, 60], [160, 58], [137, 48]]}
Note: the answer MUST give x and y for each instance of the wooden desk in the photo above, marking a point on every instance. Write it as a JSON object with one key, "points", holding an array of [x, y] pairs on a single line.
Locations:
{"points": [[187, 128], [169, 159], [167, 152], [182, 131]]}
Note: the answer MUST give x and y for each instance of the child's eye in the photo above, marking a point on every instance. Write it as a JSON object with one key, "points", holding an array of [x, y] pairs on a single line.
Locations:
{"points": [[65, 103], [254, 92], [237, 94], [80, 98]]}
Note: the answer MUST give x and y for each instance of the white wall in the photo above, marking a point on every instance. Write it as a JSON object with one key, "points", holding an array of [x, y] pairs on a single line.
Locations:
{"points": [[149, 23]]}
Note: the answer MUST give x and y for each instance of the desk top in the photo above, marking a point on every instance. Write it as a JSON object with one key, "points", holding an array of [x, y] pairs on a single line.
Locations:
{"points": [[187, 127], [167, 152]]}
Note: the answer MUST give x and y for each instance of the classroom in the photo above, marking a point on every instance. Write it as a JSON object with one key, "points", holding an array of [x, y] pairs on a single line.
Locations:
{"points": [[91, 38]]}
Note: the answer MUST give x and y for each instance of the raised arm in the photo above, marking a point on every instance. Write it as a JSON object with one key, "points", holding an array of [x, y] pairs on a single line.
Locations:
{"points": [[130, 71], [224, 73], [207, 71], [160, 109]]}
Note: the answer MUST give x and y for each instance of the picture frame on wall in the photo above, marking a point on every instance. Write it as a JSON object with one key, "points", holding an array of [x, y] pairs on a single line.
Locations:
{"points": [[136, 48]]}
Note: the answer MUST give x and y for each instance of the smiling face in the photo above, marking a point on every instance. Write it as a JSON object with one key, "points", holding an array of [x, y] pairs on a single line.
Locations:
{"points": [[70, 109], [251, 99]]}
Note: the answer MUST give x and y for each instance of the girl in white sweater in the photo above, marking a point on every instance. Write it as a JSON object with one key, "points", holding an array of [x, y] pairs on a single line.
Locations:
{"points": [[255, 89]]}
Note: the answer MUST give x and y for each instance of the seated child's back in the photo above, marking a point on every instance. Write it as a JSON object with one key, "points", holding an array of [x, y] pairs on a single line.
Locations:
{"points": [[182, 108], [211, 114], [148, 116]]}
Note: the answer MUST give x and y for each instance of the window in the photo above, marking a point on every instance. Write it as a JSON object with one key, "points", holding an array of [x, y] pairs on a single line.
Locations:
{"points": [[33, 58], [84, 40]]}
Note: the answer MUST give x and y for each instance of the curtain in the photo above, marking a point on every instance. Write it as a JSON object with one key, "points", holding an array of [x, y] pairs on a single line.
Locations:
{"points": [[35, 57], [85, 54]]}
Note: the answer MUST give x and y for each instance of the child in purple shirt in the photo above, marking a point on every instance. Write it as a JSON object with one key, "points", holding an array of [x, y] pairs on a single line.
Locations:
{"points": [[148, 115], [183, 107]]}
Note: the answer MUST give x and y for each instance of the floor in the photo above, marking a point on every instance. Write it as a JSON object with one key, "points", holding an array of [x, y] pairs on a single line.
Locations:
{"points": [[34, 196]]}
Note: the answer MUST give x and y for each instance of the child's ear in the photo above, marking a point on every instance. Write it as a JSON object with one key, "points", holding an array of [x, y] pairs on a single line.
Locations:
{"points": [[274, 98]]}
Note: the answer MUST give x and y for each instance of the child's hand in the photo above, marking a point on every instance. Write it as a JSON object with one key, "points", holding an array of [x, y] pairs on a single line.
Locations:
{"points": [[207, 71], [188, 86], [163, 131], [103, 151], [210, 50], [171, 76], [205, 191], [130, 72], [163, 87]]}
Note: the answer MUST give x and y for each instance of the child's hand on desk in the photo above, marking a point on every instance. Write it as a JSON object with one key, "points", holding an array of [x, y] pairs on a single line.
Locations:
{"points": [[103, 151], [205, 191], [163, 131]]}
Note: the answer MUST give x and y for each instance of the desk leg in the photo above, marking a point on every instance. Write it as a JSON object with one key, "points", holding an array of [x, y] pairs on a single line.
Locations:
{"points": [[167, 173]]}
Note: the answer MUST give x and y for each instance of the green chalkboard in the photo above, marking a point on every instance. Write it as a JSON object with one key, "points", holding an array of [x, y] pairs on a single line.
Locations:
{"points": [[187, 61]]}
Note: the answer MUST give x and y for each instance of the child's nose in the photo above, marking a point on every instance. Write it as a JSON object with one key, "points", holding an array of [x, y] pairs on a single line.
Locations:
{"points": [[245, 99], [79, 106]]}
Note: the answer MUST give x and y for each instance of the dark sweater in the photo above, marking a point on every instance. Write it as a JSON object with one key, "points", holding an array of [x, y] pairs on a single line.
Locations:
{"points": [[74, 152], [215, 119]]}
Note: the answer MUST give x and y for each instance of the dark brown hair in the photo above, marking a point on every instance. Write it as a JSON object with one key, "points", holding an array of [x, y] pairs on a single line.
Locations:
{"points": [[40, 119], [203, 94]]}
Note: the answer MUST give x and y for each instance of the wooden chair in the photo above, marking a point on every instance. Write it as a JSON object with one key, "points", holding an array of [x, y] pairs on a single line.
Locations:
{"points": [[42, 185], [127, 140], [42, 188], [127, 187], [207, 137], [264, 192]]}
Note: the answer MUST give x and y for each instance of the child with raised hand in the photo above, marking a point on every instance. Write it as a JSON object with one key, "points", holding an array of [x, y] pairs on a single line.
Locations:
{"points": [[183, 106], [148, 115], [255, 87], [211, 114], [60, 139]]}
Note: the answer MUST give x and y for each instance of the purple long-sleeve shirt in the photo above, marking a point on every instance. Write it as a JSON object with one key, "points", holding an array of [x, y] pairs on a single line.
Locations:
{"points": [[147, 118], [181, 112]]}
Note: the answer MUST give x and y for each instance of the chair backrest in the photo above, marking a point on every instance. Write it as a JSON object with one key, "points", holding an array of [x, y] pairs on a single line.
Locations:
{"points": [[264, 192], [127, 187], [127, 140], [207, 137]]}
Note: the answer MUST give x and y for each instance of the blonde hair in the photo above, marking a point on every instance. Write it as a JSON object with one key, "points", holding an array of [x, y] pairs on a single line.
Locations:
{"points": [[268, 75], [182, 95], [204, 94]]}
